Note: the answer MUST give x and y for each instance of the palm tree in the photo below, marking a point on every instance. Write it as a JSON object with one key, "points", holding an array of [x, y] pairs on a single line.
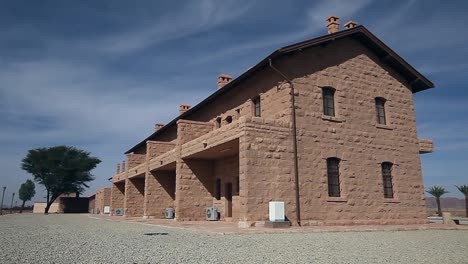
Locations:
{"points": [[437, 192], [464, 189]]}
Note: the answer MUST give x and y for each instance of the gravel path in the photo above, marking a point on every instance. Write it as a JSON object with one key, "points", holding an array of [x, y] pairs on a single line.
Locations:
{"points": [[31, 238]]}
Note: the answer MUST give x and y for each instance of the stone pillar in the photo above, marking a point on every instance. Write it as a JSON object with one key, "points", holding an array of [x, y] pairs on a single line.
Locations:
{"points": [[117, 196], [194, 178], [134, 197], [159, 193], [265, 170]]}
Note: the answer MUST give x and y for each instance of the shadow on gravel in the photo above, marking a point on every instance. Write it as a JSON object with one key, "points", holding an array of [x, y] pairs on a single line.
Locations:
{"points": [[156, 234]]}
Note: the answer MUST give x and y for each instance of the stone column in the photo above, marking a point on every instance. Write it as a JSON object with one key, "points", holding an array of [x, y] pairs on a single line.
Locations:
{"points": [[194, 178]]}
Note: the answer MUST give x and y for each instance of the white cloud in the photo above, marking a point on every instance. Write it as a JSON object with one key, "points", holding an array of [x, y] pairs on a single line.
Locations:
{"points": [[195, 17]]}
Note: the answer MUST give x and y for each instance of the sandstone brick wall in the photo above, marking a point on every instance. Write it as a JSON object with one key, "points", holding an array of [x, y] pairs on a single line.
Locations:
{"points": [[117, 196], [135, 159], [157, 148], [194, 178], [355, 138], [266, 169], [159, 193], [103, 198], [238, 102], [134, 197]]}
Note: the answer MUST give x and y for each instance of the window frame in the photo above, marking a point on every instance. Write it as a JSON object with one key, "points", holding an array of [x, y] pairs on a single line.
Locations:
{"points": [[387, 180], [381, 115], [333, 177], [328, 101], [218, 189], [257, 106]]}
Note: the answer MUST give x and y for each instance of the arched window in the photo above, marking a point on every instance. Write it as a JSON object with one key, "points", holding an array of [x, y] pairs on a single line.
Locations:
{"points": [[380, 110], [229, 119], [328, 95], [333, 175], [387, 179]]}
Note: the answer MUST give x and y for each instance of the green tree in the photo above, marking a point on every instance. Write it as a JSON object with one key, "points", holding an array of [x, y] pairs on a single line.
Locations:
{"points": [[60, 169], [464, 189], [26, 192], [437, 192]]}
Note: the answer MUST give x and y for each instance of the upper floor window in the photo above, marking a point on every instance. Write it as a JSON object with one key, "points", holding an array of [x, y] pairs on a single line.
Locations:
{"points": [[229, 119], [380, 110], [387, 179], [333, 175], [328, 95], [218, 189], [218, 122], [257, 107]]}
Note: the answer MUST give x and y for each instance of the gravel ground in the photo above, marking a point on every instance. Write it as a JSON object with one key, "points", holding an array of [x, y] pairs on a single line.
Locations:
{"points": [[31, 238]]}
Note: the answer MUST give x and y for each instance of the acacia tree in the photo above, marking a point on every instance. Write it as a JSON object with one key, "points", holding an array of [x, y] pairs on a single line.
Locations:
{"points": [[464, 189], [60, 169], [26, 192], [437, 192]]}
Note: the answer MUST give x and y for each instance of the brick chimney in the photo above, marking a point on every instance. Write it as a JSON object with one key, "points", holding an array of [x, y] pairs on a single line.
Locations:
{"points": [[123, 166], [333, 24], [223, 79], [183, 108], [350, 24], [158, 126], [118, 168]]}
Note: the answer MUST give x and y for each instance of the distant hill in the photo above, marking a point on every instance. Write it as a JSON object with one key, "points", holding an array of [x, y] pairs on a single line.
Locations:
{"points": [[446, 202]]}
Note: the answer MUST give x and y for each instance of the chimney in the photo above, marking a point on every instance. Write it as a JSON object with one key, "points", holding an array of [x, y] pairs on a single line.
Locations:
{"points": [[223, 79], [350, 24], [183, 108], [123, 166], [333, 24], [158, 126], [118, 168]]}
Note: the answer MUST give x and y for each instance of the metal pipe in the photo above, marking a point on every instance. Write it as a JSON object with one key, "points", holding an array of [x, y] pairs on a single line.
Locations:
{"points": [[294, 132], [1, 205]]}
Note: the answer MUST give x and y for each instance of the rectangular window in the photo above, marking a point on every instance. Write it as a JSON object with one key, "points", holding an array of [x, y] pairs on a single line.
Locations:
{"points": [[328, 95], [257, 107], [218, 189], [333, 175], [387, 179], [380, 109]]}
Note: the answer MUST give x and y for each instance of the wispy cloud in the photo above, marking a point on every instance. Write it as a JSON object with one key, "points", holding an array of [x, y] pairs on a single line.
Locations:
{"points": [[195, 17]]}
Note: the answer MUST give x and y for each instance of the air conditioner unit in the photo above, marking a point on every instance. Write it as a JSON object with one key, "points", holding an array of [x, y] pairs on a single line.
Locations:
{"points": [[170, 213], [119, 211], [211, 214], [107, 209]]}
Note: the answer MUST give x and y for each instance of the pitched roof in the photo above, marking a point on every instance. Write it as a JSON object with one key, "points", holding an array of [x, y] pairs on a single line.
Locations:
{"points": [[416, 80]]}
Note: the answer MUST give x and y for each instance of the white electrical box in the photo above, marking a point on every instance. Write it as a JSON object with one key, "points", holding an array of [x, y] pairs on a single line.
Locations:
{"points": [[276, 211], [107, 209]]}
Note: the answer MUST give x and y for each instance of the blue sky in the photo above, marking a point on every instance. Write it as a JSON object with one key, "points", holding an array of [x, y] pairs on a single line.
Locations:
{"points": [[99, 74]]}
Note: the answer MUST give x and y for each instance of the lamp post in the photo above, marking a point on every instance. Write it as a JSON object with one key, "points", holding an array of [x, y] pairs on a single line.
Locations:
{"points": [[1, 205], [11, 205]]}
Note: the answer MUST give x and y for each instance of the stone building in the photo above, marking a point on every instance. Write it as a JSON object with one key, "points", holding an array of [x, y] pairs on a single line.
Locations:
{"points": [[100, 200], [346, 153]]}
